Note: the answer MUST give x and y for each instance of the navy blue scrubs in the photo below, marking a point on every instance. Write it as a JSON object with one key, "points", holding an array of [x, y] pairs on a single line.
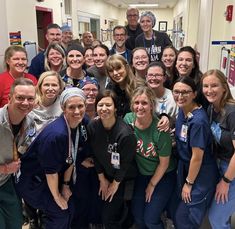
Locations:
{"points": [[47, 155], [198, 134]]}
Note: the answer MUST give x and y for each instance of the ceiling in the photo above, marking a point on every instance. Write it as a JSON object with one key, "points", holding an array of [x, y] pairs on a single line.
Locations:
{"points": [[125, 3]]}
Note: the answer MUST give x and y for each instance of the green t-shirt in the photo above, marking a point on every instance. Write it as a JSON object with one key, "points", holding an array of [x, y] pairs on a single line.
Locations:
{"points": [[151, 143]]}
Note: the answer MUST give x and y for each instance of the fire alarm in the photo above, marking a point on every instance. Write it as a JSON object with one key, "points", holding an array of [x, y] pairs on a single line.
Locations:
{"points": [[229, 13]]}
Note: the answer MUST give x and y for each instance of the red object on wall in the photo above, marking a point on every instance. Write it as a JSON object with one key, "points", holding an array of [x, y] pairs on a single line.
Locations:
{"points": [[229, 13]]}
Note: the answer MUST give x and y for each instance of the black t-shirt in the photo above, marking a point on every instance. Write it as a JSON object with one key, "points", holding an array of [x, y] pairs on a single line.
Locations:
{"points": [[132, 34], [154, 46], [223, 129]]}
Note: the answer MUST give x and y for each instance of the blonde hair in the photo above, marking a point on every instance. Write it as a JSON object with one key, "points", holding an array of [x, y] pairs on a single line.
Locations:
{"points": [[148, 92], [227, 98], [116, 61], [9, 52], [58, 48], [40, 82]]}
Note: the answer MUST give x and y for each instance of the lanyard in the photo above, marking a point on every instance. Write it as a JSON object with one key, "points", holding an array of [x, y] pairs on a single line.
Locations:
{"points": [[73, 148], [72, 154]]}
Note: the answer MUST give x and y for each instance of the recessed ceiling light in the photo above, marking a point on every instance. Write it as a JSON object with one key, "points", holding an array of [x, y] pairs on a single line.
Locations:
{"points": [[143, 5]]}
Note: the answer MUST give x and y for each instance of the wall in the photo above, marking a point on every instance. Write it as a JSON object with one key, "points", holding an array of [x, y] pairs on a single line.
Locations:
{"points": [[3, 32], [225, 32]]}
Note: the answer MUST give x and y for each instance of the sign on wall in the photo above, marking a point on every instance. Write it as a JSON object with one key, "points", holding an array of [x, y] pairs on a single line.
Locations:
{"points": [[15, 38]]}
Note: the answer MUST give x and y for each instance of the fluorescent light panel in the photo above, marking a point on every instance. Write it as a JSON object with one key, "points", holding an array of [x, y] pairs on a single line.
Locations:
{"points": [[143, 5]]}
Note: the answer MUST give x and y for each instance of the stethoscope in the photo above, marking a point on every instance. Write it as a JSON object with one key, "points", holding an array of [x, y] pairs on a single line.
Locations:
{"points": [[72, 151]]}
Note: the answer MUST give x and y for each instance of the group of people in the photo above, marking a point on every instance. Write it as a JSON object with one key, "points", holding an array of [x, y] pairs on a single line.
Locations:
{"points": [[99, 138]]}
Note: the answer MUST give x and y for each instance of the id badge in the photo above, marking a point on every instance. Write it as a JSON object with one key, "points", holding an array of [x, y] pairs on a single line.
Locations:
{"points": [[17, 176], [115, 160], [184, 133]]}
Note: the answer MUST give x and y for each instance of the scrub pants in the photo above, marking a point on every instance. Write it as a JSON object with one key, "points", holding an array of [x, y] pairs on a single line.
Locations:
{"points": [[148, 215], [219, 214], [56, 218], [113, 211], [10, 207]]}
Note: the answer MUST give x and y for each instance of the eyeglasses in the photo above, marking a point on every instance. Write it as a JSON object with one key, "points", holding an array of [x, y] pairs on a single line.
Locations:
{"points": [[154, 75], [132, 15], [140, 58], [23, 98], [182, 93], [88, 90], [120, 35]]}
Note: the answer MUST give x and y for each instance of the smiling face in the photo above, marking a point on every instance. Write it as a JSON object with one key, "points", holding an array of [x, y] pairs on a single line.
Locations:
{"points": [[140, 60], [132, 16], [75, 59], [168, 57], [17, 63], [146, 24], [22, 100], [155, 77], [74, 111], [54, 35], [91, 92], [67, 36], [100, 57], [119, 36], [142, 106], [50, 89], [184, 63], [213, 89], [89, 60], [106, 109], [55, 58], [118, 75], [183, 95]]}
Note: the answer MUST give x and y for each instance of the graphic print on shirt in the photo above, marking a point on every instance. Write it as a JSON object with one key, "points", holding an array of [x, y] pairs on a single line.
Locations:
{"points": [[150, 152], [154, 52]]}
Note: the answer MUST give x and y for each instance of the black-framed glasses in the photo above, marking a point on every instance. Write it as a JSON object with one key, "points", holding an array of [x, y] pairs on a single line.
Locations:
{"points": [[132, 15], [150, 75], [182, 93]]}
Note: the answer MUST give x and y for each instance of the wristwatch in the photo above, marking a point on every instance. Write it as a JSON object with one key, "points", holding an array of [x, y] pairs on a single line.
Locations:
{"points": [[188, 182], [226, 180]]}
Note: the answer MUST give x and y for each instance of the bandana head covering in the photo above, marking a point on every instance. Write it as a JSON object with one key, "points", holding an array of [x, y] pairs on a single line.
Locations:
{"points": [[89, 80]]}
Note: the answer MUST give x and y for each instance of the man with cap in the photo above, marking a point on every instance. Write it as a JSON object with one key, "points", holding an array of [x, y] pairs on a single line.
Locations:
{"points": [[17, 130], [50, 166], [133, 27], [74, 73], [153, 41], [53, 34], [67, 36]]}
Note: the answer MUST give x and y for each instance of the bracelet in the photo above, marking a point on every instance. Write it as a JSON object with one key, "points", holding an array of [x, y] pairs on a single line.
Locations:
{"points": [[188, 182], [66, 182], [226, 180]]}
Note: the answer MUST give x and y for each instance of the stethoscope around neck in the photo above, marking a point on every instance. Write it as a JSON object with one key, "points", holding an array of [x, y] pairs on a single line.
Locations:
{"points": [[72, 149]]}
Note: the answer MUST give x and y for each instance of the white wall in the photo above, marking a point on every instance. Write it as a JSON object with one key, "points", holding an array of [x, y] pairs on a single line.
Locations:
{"points": [[220, 30], [3, 32]]}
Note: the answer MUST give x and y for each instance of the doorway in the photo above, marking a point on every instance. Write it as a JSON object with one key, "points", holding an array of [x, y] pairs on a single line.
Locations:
{"points": [[44, 18]]}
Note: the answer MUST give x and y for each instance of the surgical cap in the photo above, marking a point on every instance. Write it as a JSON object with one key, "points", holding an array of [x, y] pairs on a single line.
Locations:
{"points": [[150, 15], [69, 93]]}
